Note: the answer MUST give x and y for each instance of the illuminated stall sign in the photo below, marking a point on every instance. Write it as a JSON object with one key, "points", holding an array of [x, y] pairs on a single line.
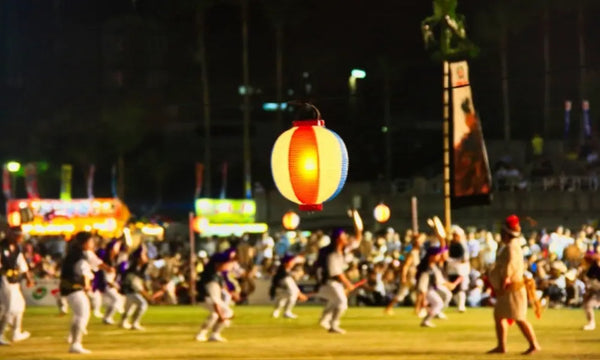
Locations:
{"points": [[226, 211], [224, 217], [47, 217]]}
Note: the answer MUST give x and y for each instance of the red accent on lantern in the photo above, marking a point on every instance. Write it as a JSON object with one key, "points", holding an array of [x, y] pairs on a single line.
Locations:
{"points": [[304, 164], [308, 123], [310, 207]]}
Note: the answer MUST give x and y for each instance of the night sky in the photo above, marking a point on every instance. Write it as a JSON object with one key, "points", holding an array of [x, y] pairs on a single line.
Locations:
{"points": [[84, 81]]}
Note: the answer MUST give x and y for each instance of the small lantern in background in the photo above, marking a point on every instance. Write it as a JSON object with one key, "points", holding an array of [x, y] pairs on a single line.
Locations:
{"points": [[309, 164], [381, 213], [290, 220]]}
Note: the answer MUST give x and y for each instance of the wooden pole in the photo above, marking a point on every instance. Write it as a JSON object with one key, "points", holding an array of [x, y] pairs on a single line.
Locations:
{"points": [[414, 215], [192, 259], [446, 98]]}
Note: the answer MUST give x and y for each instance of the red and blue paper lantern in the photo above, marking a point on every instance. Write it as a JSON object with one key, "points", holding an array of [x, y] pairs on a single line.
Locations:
{"points": [[309, 164]]}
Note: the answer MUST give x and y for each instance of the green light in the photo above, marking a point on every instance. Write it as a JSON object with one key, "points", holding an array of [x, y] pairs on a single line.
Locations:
{"points": [[358, 73], [13, 166], [384, 129]]}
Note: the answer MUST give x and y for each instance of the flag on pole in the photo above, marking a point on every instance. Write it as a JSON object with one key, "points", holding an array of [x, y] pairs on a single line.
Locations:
{"points": [[568, 105], [90, 181], [6, 186], [224, 181], [587, 124], [113, 181], [31, 181], [199, 179], [471, 181], [66, 175]]}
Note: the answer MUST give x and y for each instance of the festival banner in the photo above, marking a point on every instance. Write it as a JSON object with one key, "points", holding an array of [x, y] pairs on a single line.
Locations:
{"points": [[471, 181], [6, 185], [90, 181], [568, 105], [66, 174], [199, 179], [247, 183], [223, 194], [587, 124], [31, 184]]}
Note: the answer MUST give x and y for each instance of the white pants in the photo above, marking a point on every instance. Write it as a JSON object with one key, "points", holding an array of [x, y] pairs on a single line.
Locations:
{"points": [[286, 298], [114, 302], [435, 302], [13, 306], [337, 303], [12, 297], [95, 301], [589, 305], [212, 322], [136, 304], [80, 305]]}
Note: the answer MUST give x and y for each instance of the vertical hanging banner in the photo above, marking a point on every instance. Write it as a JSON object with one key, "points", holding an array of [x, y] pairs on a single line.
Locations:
{"points": [[587, 124], [31, 181], [66, 173], [568, 105], [113, 181], [6, 185], [223, 194], [247, 183], [90, 181], [470, 179], [199, 179]]}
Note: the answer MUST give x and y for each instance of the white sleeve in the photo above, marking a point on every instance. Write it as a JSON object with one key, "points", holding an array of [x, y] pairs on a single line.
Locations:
{"points": [[93, 260], [335, 264], [22, 263], [83, 268]]}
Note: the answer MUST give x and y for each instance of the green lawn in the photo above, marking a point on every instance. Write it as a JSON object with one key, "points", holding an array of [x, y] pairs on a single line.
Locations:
{"points": [[170, 334]]}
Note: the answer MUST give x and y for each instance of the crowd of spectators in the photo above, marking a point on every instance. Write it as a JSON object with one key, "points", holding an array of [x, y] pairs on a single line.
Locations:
{"points": [[555, 259]]}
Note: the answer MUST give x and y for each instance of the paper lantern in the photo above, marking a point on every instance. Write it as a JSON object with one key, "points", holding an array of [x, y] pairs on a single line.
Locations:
{"points": [[381, 213], [290, 220], [309, 164]]}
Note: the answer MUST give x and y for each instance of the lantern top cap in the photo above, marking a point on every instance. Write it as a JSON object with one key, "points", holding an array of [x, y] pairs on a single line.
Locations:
{"points": [[317, 122]]}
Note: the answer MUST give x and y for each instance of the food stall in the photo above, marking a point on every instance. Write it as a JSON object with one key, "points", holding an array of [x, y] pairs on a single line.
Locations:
{"points": [[53, 217]]}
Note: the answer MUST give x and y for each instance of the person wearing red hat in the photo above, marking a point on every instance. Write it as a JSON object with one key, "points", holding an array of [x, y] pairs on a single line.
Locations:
{"points": [[506, 278]]}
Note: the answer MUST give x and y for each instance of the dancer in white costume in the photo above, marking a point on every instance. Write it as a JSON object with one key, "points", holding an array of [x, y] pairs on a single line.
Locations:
{"points": [[75, 279], [284, 289], [212, 292], [334, 284], [12, 268]]}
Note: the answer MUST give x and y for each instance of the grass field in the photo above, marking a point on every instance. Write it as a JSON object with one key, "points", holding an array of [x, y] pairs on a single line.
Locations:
{"points": [[254, 334]]}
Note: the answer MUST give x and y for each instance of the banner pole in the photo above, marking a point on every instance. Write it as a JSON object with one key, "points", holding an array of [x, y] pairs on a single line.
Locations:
{"points": [[192, 260], [414, 215], [446, 130]]}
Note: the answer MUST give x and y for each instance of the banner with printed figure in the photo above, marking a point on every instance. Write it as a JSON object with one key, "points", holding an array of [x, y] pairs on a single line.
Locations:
{"points": [[6, 184], [31, 184], [471, 181]]}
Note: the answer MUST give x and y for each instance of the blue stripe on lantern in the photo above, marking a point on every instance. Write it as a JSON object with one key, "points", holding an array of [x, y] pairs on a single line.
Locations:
{"points": [[343, 163]]}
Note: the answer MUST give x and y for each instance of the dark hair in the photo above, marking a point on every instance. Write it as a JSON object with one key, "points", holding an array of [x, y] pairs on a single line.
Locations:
{"points": [[81, 238]]}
